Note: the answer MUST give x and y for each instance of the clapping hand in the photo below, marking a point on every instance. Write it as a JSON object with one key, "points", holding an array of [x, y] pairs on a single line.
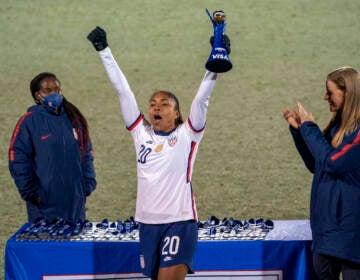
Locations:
{"points": [[295, 117], [292, 117], [303, 114]]}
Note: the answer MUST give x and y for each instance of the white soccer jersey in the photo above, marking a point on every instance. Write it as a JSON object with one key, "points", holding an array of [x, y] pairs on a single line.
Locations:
{"points": [[164, 166], [165, 161]]}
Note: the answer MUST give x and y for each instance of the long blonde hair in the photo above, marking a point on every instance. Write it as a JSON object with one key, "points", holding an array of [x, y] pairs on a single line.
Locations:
{"points": [[346, 79]]}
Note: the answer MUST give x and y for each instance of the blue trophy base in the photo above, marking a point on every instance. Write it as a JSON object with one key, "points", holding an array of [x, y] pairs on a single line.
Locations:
{"points": [[218, 65]]}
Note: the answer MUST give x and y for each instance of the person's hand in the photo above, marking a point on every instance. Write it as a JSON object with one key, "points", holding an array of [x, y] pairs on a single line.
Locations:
{"points": [[225, 41], [98, 38], [292, 117], [303, 114]]}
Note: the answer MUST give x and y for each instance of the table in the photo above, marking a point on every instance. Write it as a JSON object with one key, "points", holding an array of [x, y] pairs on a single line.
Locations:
{"points": [[284, 254]]}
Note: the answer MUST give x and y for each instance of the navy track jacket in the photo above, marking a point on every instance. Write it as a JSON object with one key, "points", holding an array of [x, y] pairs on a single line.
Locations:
{"points": [[335, 193], [46, 163]]}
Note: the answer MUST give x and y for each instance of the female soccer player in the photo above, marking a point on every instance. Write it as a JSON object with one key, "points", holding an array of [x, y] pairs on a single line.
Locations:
{"points": [[166, 148]]}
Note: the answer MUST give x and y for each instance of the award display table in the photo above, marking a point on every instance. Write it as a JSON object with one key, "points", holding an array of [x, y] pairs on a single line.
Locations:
{"points": [[283, 254]]}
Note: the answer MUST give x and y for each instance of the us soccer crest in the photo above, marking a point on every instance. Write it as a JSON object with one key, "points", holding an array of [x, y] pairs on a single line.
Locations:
{"points": [[172, 140]]}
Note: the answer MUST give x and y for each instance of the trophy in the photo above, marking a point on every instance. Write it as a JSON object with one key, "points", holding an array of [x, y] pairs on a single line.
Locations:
{"points": [[218, 60]]}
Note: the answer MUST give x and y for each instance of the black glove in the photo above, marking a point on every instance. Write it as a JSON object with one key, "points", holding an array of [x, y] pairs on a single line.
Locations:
{"points": [[226, 42], [98, 38]]}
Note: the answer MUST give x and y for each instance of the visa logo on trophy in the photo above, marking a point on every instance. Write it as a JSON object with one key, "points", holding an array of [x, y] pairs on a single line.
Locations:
{"points": [[218, 61]]}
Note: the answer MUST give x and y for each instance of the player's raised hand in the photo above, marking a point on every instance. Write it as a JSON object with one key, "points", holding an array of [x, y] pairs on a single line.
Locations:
{"points": [[98, 38], [225, 41]]}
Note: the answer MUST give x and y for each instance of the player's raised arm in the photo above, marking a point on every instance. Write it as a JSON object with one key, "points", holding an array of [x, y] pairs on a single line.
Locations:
{"points": [[129, 108], [197, 116]]}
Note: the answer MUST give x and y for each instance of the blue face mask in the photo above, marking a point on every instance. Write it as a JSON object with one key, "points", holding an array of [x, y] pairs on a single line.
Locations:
{"points": [[52, 102]]}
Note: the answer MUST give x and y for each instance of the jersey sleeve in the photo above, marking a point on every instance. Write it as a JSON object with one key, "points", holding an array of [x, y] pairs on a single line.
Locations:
{"points": [[128, 105], [197, 116]]}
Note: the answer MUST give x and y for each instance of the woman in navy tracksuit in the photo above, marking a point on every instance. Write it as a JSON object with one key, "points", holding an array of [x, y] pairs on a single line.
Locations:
{"points": [[333, 156], [51, 156]]}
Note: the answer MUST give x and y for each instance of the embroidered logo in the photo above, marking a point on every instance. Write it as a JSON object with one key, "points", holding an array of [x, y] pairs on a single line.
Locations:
{"points": [[172, 140], [75, 134], [159, 148], [167, 258], [142, 261], [44, 137]]}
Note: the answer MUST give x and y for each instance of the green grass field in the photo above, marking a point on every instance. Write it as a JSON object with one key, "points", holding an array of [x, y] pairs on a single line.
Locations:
{"points": [[247, 165]]}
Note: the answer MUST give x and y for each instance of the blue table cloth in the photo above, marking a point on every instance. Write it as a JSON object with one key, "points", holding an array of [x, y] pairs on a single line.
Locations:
{"points": [[284, 254]]}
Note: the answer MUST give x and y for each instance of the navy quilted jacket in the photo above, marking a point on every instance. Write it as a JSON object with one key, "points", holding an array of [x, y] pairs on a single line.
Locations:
{"points": [[335, 193], [45, 162]]}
